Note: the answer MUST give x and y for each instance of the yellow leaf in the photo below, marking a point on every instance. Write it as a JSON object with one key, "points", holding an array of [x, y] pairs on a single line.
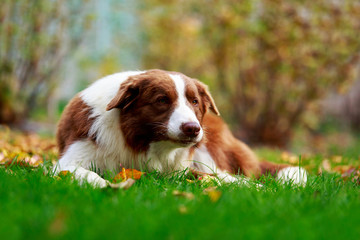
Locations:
{"points": [[213, 193], [336, 159], [183, 209], [190, 181]]}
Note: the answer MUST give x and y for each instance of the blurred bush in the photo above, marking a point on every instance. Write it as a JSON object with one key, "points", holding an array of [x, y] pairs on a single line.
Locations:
{"points": [[266, 60], [345, 107], [35, 36]]}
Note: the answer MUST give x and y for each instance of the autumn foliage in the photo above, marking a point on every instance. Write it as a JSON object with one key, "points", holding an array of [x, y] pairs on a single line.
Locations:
{"points": [[35, 37], [266, 61]]}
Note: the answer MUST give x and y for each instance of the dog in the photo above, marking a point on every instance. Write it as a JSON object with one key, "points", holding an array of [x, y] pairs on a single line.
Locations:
{"points": [[154, 120]]}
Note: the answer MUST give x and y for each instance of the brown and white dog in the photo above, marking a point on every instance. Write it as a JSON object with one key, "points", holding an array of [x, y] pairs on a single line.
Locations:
{"points": [[155, 120]]}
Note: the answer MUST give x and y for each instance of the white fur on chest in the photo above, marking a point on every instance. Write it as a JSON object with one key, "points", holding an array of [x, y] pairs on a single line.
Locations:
{"points": [[203, 161], [161, 156]]}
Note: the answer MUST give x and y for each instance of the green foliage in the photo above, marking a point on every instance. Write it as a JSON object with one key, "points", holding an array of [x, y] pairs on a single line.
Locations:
{"points": [[271, 58], [35, 36]]}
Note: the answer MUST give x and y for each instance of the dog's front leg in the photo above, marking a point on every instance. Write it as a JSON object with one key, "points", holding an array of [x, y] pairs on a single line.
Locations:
{"points": [[75, 160], [83, 175]]}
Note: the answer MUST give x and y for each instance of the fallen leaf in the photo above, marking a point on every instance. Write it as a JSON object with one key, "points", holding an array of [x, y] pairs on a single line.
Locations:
{"points": [[122, 185], [342, 168], [183, 209], [63, 174], [126, 174], [57, 178], [337, 159], [326, 165], [2, 158], [289, 157], [186, 195], [352, 174], [34, 161], [190, 181], [213, 193]]}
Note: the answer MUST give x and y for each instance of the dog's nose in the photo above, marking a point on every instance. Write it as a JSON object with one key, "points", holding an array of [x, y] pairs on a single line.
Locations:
{"points": [[190, 129]]}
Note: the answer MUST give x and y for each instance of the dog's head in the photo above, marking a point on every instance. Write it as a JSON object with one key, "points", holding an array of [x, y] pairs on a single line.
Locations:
{"points": [[162, 106]]}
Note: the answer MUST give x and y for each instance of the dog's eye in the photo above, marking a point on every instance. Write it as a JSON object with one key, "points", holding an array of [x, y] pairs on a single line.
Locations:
{"points": [[162, 100], [195, 102]]}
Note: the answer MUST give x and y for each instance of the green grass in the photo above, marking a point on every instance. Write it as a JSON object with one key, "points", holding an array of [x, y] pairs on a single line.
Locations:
{"points": [[33, 205]]}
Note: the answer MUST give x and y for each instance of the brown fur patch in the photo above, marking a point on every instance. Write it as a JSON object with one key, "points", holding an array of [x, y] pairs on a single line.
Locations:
{"points": [[229, 153], [232, 155], [74, 124]]}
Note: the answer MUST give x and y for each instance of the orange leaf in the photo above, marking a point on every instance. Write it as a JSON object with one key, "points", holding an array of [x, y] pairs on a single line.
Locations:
{"points": [[64, 173], [128, 173]]}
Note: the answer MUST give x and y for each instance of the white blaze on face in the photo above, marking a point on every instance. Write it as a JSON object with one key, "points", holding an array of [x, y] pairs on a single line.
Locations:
{"points": [[182, 113]]}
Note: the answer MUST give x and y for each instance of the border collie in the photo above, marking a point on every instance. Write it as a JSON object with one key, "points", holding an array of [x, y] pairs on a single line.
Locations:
{"points": [[154, 120]]}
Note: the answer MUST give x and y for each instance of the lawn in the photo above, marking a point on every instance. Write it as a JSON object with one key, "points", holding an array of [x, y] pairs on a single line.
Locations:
{"points": [[36, 205]]}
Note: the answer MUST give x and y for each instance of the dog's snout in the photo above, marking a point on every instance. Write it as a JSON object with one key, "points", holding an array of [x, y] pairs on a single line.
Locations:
{"points": [[190, 129]]}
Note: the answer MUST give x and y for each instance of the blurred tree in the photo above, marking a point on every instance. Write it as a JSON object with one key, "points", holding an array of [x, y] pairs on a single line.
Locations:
{"points": [[35, 36], [267, 59]]}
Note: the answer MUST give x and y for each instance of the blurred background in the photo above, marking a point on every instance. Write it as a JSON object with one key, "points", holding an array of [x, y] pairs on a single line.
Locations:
{"points": [[284, 74]]}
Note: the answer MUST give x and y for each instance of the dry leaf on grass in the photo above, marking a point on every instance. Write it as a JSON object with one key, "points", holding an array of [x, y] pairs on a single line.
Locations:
{"points": [[343, 168], [183, 209], [352, 175], [186, 195], [213, 193], [126, 174], [64, 173], [22, 159], [337, 159], [325, 166], [204, 178], [2, 158], [289, 158], [122, 185]]}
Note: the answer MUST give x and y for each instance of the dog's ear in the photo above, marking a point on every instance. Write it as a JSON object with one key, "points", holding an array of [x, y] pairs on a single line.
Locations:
{"points": [[206, 97], [127, 94]]}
